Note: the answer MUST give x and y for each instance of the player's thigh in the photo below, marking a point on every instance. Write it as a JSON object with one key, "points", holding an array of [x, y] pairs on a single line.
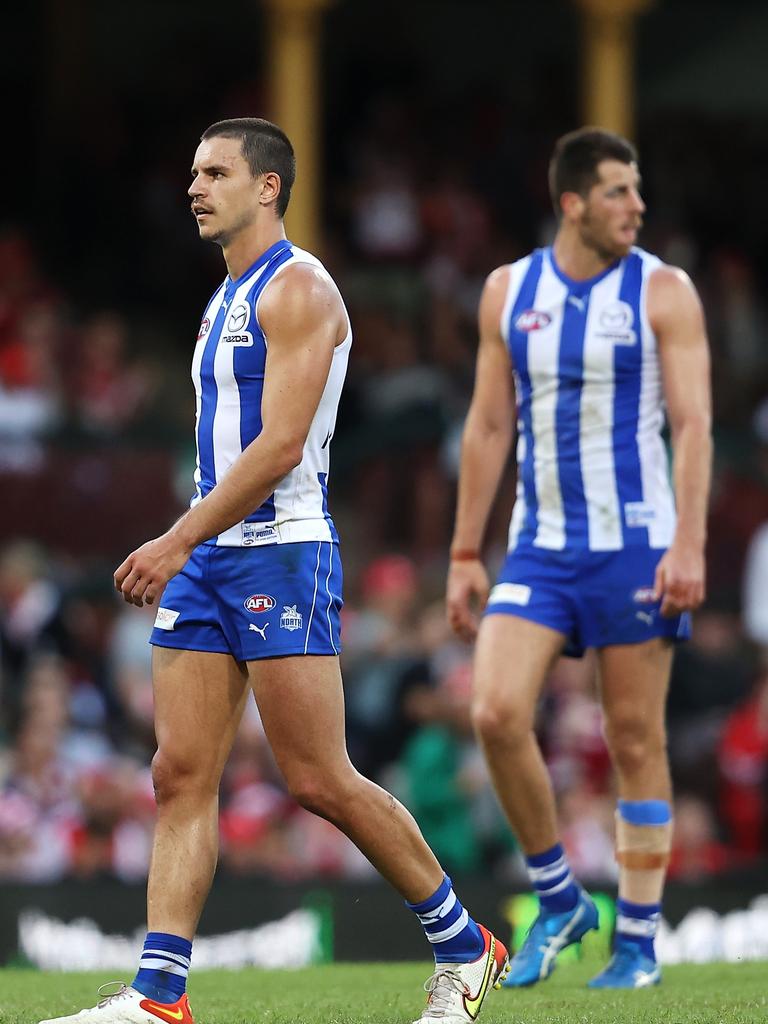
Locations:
{"points": [[301, 703], [512, 660], [199, 701], [634, 680]]}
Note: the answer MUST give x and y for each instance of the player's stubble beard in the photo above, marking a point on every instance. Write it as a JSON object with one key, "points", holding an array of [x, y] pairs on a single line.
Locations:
{"points": [[606, 251], [226, 236]]}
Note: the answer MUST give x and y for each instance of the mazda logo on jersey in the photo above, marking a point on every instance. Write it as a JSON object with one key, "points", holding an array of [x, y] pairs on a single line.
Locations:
{"points": [[205, 326], [616, 322], [257, 603], [532, 320], [617, 316], [238, 318]]}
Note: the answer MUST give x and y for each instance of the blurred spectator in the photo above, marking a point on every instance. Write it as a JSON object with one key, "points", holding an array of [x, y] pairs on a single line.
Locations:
{"points": [[386, 221], [130, 669], [697, 854], [710, 675], [30, 616], [30, 401], [381, 660], [738, 325], [109, 389], [587, 830], [743, 756], [570, 722], [433, 763], [112, 834]]}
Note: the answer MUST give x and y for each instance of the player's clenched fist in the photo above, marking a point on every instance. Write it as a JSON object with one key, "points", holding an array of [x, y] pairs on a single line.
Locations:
{"points": [[680, 579], [466, 597], [143, 575]]}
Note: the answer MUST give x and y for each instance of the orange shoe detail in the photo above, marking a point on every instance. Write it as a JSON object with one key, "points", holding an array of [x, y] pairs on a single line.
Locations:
{"points": [[171, 1013], [496, 958]]}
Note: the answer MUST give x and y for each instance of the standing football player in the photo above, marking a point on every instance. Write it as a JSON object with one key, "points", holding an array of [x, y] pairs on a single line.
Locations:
{"points": [[585, 344], [249, 589]]}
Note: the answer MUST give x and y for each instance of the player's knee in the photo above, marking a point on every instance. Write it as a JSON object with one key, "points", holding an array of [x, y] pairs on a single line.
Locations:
{"points": [[174, 775], [496, 722], [328, 794], [635, 744], [314, 793]]}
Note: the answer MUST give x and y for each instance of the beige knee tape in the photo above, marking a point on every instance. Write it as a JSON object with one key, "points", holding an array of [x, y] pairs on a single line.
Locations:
{"points": [[642, 852]]}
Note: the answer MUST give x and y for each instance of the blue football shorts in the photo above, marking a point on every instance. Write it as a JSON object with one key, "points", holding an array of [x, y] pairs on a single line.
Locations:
{"points": [[257, 602], [595, 598]]}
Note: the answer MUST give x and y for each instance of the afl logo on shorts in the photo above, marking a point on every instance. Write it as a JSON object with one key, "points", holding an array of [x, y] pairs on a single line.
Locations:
{"points": [[205, 326], [257, 603], [532, 320]]}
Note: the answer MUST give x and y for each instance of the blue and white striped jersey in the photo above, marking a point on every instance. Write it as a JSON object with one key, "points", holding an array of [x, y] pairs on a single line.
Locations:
{"points": [[593, 473], [228, 374]]}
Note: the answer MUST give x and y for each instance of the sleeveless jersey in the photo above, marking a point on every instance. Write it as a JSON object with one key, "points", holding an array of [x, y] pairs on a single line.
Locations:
{"points": [[593, 472], [228, 375]]}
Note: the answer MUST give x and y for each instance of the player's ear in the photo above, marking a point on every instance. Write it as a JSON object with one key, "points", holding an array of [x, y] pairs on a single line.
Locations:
{"points": [[572, 205], [270, 188]]}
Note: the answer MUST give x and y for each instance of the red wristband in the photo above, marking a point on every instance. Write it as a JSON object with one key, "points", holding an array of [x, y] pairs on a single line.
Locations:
{"points": [[465, 555]]}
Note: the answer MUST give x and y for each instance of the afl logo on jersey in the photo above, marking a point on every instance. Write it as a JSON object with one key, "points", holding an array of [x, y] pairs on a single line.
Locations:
{"points": [[205, 326], [258, 603], [532, 320], [238, 318]]}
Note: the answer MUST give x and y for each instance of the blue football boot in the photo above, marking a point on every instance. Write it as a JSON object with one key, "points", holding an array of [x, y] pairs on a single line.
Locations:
{"points": [[629, 967], [548, 935]]}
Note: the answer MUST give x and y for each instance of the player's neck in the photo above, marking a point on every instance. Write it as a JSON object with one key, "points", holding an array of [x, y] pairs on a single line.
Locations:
{"points": [[243, 251], [575, 259]]}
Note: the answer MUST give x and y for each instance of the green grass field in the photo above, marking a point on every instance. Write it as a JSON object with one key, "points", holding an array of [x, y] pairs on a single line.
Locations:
{"points": [[390, 994]]}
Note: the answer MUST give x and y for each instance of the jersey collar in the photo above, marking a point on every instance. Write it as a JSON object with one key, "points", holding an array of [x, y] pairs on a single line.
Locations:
{"points": [[579, 287], [265, 257]]}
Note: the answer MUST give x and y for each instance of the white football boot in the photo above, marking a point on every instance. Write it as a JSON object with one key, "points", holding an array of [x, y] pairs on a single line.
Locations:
{"points": [[456, 991], [127, 1006]]}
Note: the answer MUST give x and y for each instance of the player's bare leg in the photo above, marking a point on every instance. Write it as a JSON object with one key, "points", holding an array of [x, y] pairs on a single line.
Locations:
{"points": [[634, 683], [199, 701], [634, 679], [512, 661], [301, 702]]}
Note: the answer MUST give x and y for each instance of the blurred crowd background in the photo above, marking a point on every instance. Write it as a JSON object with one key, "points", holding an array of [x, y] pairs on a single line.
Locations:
{"points": [[437, 136]]}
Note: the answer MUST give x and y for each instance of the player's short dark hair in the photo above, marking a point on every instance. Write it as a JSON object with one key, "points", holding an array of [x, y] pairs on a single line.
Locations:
{"points": [[265, 148], [573, 167]]}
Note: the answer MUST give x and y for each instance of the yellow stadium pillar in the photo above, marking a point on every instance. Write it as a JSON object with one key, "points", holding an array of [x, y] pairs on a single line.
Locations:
{"points": [[608, 56], [296, 86]]}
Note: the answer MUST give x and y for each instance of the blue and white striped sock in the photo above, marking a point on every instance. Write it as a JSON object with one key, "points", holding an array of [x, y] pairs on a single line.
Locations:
{"points": [[638, 923], [552, 880], [454, 935], [163, 967]]}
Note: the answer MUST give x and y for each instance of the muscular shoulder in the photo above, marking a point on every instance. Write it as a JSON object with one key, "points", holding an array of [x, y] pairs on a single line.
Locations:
{"points": [[672, 297], [668, 286], [301, 299], [493, 298]]}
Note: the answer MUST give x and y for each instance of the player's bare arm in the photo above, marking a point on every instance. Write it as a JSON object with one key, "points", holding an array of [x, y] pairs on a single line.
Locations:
{"points": [[301, 338], [484, 452], [677, 319]]}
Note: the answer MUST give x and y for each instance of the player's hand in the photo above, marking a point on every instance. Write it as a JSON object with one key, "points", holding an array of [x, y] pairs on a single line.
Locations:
{"points": [[680, 579], [143, 575], [467, 595]]}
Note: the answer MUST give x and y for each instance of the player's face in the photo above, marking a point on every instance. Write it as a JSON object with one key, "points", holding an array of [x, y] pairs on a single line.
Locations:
{"points": [[612, 213], [225, 197]]}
